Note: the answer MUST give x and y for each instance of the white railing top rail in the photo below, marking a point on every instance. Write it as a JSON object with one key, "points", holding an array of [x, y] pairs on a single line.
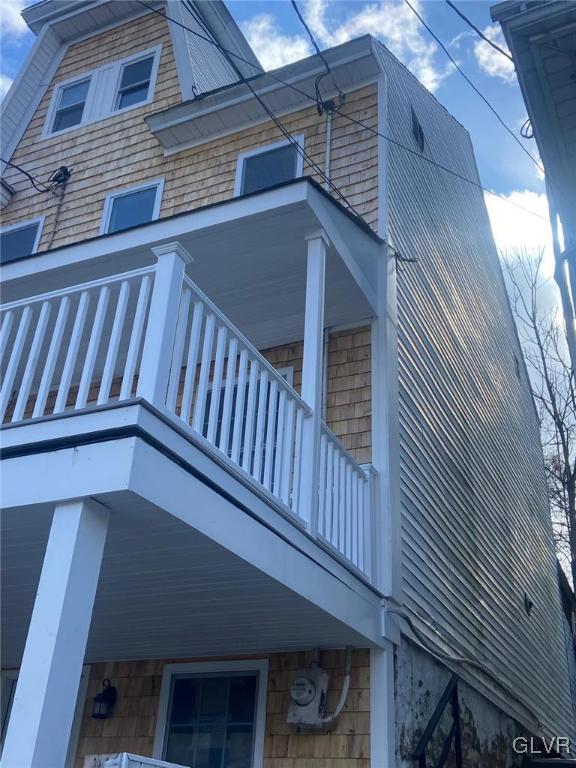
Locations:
{"points": [[347, 455], [77, 288], [256, 354]]}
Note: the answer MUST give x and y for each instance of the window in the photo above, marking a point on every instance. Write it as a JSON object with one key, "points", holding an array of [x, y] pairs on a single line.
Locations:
{"points": [[131, 207], [417, 131], [211, 715], [134, 83], [8, 680], [71, 103], [264, 167], [100, 93], [20, 240]]}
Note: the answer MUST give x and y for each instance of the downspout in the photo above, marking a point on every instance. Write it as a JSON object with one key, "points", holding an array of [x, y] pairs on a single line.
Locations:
{"points": [[328, 146]]}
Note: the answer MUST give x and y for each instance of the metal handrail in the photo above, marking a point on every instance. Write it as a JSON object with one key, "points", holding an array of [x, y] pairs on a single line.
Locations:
{"points": [[450, 696]]}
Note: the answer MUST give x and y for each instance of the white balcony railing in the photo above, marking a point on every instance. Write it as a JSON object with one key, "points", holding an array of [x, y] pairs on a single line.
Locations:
{"points": [[223, 388], [73, 347], [119, 337]]}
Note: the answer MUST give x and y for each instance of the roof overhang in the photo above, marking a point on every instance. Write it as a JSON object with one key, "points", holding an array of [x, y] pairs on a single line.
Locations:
{"points": [[234, 107], [249, 257], [542, 39]]}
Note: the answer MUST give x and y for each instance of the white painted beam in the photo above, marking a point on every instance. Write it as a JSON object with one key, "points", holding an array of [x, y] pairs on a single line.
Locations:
{"points": [[162, 322], [382, 708], [43, 710], [312, 376]]}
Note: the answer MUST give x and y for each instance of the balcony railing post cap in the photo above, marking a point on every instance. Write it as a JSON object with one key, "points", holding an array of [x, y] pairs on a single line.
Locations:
{"points": [[175, 247], [319, 233]]}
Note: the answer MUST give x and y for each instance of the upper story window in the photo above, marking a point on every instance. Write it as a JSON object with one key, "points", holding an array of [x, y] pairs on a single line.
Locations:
{"points": [[103, 92], [134, 82], [131, 207], [71, 103], [266, 166], [20, 240], [417, 131]]}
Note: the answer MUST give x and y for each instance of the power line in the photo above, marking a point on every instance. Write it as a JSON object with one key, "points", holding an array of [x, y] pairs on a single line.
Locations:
{"points": [[35, 182], [351, 119], [473, 86], [324, 61], [281, 127], [478, 31]]}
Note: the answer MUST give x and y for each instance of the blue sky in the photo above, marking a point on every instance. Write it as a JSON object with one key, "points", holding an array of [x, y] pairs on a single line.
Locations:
{"points": [[277, 36]]}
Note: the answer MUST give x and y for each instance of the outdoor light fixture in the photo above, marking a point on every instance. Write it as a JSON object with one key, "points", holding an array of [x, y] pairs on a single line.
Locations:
{"points": [[105, 700]]}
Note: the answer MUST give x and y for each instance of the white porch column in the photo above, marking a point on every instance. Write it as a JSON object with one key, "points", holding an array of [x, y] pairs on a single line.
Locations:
{"points": [[382, 708], [162, 320], [312, 375], [47, 689]]}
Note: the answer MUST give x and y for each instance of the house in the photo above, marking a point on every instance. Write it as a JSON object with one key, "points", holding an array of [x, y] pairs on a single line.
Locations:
{"points": [[542, 43], [272, 486]]}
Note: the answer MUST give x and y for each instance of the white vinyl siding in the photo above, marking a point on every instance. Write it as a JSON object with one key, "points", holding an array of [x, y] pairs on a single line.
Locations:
{"points": [[476, 531]]}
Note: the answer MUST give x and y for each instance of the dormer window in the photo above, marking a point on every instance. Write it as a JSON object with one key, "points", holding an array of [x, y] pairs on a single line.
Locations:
{"points": [[115, 87], [20, 240], [134, 82], [267, 166], [71, 103]]}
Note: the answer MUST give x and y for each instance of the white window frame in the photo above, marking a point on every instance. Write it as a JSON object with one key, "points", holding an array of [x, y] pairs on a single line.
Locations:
{"points": [[102, 92], [39, 220], [111, 196], [12, 674], [207, 668], [243, 156]]}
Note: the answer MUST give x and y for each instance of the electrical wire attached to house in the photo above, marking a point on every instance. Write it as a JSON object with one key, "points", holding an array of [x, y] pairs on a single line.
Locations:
{"points": [[322, 106], [420, 639], [281, 127], [348, 117]]}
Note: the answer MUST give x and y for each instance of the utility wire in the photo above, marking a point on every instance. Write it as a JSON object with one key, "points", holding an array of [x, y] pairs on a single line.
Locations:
{"points": [[324, 61], [473, 86], [478, 31], [35, 182], [351, 119], [281, 127]]}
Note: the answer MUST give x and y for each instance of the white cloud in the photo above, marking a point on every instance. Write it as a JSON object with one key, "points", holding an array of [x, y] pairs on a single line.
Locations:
{"points": [[392, 22], [5, 83], [389, 20], [491, 61], [272, 47], [11, 23], [515, 228]]}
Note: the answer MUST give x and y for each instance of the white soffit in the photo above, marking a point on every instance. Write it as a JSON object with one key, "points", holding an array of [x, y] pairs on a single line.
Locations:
{"points": [[232, 108]]}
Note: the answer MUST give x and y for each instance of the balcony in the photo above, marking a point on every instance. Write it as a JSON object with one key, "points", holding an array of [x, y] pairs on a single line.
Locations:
{"points": [[197, 502]]}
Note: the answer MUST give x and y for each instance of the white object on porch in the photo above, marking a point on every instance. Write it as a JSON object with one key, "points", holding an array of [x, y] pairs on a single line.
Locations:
{"points": [[126, 760], [47, 689]]}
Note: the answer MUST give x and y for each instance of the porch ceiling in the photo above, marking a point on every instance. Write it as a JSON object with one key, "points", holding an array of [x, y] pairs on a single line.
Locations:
{"points": [[165, 590], [249, 258]]}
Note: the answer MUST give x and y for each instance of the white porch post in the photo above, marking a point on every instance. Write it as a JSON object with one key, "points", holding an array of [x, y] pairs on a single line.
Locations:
{"points": [[47, 689], [382, 708], [312, 375], [162, 320]]}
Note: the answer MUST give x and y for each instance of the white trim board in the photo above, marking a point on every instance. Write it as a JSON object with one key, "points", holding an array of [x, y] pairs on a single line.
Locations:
{"points": [[204, 668]]}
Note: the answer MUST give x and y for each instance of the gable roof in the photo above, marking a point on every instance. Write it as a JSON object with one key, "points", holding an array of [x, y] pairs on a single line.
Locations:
{"points": [[59, 23]]}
